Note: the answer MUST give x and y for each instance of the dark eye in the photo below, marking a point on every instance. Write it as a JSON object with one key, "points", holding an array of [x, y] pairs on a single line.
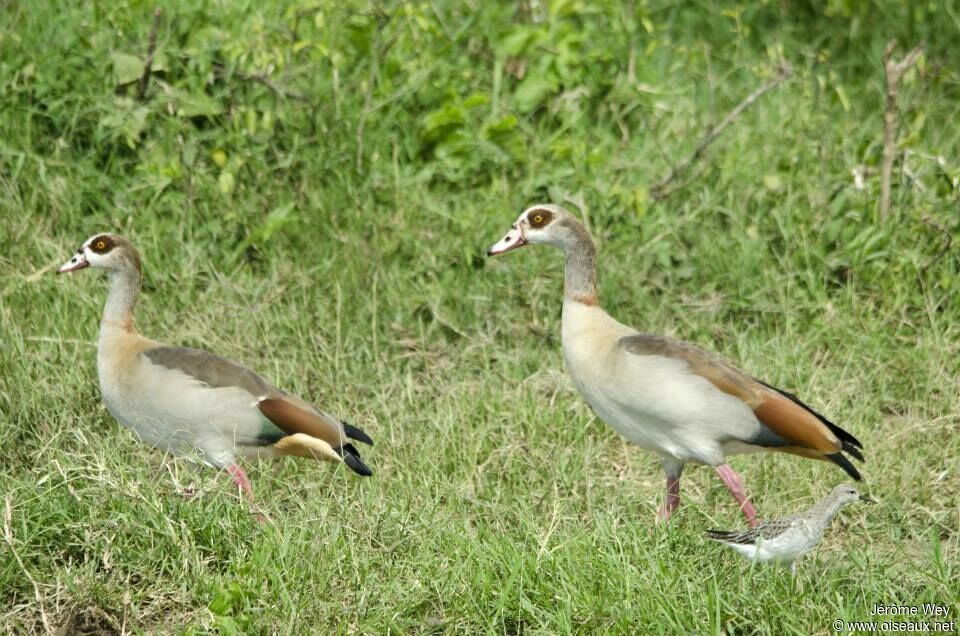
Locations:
{"points": [[102, 244], [540, 218]]}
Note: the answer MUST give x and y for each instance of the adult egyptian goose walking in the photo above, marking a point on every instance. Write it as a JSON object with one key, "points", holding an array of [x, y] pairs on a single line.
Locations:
{"points": [[667, 396], [194, 403], [787, 539]]}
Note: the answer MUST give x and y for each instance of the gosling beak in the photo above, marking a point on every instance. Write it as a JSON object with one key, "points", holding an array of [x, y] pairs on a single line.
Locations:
{"points": [[867, 499], [511, 241], [78, 261]]}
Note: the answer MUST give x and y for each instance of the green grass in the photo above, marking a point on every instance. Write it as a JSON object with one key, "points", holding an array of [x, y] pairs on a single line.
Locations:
{"points": [[327, 228]]}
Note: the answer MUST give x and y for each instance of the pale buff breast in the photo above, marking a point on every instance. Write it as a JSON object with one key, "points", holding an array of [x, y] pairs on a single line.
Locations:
{"points": [[171, 410], [653, 401]]}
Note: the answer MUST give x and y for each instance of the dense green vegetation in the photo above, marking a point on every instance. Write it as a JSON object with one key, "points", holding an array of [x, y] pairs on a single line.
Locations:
{"points": [[313, 186]]}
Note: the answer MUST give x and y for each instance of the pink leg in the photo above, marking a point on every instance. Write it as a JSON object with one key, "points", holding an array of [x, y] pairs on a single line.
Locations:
{"points": [[673, 499], [240, 479], [734, 484], [673, 469]]}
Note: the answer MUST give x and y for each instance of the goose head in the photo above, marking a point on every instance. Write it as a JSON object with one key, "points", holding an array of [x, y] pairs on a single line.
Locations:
{"points": [[544, 223], [109, 252]]}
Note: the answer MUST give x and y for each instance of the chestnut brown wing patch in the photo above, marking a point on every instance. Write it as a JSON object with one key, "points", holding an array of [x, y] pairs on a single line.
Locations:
{"points": [[797, 428], [793, 422], [292, 419], [850, 443], [788, 418]]}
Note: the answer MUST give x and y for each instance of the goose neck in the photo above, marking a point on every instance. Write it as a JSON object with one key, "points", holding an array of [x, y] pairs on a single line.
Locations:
{"points": [[121, 300], [580, 271]]}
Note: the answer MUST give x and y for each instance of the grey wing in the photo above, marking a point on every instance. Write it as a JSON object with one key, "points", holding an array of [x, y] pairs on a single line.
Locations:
{"points": [[288, 414], [765, 531], [211, 369], [722, 375]]}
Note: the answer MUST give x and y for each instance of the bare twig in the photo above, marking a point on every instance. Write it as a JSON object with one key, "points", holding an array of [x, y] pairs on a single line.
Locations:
{"points": [[893, 71], [656, 140], [660, 190], [659, 195], [151, 49], [261, 78], [282, 91], [40, 273], [947, 240], [59, 340]]}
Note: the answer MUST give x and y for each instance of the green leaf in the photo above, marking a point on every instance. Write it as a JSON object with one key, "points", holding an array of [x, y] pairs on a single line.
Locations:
{"points": [[227, 599], [204, 40], [439, 124], [531, 92], [160, 62], [516, 42], [477, 99], [126, 68], [501, 127], [276, 221], [197, 105], [227, 626], [125, 119], [226, 182], [842, 96]]}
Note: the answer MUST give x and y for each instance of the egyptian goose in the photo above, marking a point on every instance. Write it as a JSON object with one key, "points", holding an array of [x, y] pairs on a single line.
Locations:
{"points": [[786, 540], [194, 403], [667, 396]]}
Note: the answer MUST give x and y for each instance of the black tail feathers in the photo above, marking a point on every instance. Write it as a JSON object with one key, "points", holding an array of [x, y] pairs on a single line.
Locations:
{"points": [[355, 433], [841, 460], [848, 443], [351, 457], [853, 450]]}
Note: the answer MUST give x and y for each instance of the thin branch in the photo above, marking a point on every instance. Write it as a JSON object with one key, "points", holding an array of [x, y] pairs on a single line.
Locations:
{"points": [[261, 78], [659, 195], [151, 49], [40, 273], [281, 91], [947, 240], [893, 72], [656, 140], [53, 340], [660, 189]]}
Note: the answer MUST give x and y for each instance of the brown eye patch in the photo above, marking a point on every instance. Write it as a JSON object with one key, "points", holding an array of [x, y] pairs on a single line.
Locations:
{"points": [[539, 218], [102, 244]]}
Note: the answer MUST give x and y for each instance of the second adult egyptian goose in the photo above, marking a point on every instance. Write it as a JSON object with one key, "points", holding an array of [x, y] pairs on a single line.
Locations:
{"points": [[667, 396], [194, 403]]}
